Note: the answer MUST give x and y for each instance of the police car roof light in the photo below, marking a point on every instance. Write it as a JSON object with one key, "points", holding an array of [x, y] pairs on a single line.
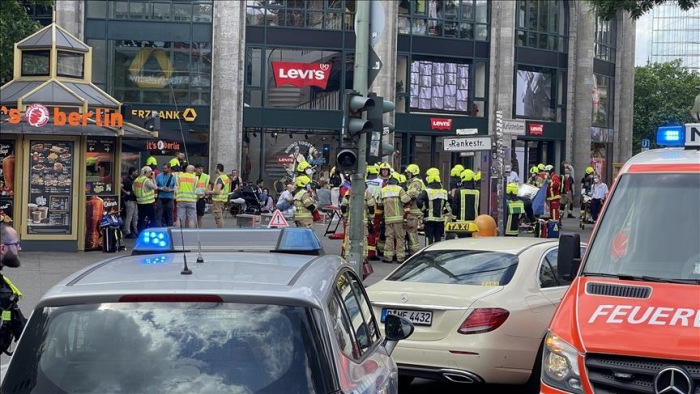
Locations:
{"points": [[298, 240], [670, 136], [154, 240]]}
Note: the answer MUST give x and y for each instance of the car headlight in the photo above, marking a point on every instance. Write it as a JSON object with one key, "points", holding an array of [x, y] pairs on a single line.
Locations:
{"points": [[560, 365]]}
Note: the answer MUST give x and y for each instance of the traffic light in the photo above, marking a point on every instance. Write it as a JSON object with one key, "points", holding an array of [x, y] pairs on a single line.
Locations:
{"points": [[379, 127], [355, 106], [347, 160]]}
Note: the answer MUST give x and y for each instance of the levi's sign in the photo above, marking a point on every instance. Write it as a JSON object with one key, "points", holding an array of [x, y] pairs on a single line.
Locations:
{"points": [[467, 144], [301, 74], [440, 124], [536, 129]]}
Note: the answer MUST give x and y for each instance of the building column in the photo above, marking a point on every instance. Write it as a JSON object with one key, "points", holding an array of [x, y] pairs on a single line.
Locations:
{"points": [[70, 15], [502, 62], [385, 83], [624, 95], [581, 105], [228, 66]]}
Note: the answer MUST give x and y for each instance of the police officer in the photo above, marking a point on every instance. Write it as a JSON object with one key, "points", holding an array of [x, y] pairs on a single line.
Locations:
{"points": [[415, 188], [304, 203], [515, 209], [392, 200], [433, 202], [13, 320]]}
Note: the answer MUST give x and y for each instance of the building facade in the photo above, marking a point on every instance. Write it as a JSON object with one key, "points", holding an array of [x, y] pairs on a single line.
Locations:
{"points": [[266, 78], [675, 34]]}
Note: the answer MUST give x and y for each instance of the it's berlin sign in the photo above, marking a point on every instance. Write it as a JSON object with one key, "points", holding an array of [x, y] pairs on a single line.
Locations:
{"points": [[301, 74]]}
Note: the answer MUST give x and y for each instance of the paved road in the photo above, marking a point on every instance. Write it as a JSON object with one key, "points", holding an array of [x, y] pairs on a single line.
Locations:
{"points": [[42, 270]]}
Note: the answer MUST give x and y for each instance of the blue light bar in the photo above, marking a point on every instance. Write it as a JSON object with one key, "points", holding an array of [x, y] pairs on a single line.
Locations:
{"points": [[154, 240], [299, 240], [670, 136]]}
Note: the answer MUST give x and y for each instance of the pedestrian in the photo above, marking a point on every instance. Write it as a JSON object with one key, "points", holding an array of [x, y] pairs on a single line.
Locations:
{"points": [[13, 321], [285, 203], [186, 197], [268, 205], [304, 202], [599, 193], [219, 193], [567, 194], [144, 190], [553, 192], [236, 180], [392, 199], [433, 202], [165, 183], [131, 220], [201, 188]]}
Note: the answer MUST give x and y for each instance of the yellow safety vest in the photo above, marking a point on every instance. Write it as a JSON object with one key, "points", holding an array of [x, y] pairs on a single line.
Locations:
{"points": [[225, 189], [515, 209], [143, 196], [302, 212], [392, 192], [202, 183], [185, 189], [436, 194]]}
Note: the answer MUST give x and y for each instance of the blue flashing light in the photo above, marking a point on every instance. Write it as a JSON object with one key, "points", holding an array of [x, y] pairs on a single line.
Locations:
{"points": [[670, 136], [298, 240], [154, 240]]}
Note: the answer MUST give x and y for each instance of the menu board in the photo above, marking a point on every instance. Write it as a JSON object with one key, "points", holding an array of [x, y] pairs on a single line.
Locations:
{"points": [[7, 180], [99, 166], [95, 208], [51, 187]]}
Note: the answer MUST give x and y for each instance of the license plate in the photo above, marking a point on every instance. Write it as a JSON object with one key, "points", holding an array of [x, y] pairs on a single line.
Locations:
{"points": [[419, 318]]}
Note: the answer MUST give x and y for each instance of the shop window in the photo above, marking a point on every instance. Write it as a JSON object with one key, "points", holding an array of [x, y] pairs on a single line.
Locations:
{"points": [[542, 24], [312, 14], [97, 9], [35, 63], [535, 93], [466, 19], [602, 101], [139, 10], [401, 84], [119, 10], [99, 60], [182, 12], [202, 11], [439, 86], [423, 152], [70, 64], [161, 11], [605, 39]]}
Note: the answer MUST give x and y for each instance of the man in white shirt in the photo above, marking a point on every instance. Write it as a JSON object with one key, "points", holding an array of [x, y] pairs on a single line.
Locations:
{"points": [[600, 191], [285, 203]]}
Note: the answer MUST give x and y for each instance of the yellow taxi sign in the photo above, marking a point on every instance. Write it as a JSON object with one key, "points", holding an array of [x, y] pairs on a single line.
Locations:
{"points": [[461, 227], [189, 114]]}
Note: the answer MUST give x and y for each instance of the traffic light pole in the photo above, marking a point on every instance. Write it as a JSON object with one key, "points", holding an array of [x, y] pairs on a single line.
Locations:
{"points": [[357, 199]]}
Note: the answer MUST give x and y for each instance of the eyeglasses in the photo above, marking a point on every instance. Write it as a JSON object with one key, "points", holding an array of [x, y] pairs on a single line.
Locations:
{"points": [[17, 244]]}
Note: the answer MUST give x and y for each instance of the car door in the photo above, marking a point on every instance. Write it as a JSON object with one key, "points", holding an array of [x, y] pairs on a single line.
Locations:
{"points": [[363, 365], [552, 285]]}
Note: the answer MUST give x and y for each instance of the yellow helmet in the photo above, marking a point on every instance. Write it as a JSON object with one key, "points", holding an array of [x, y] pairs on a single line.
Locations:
{"points": [[396, 176], [589, 170], [534, 170], [413, 169], [402, 178], [433, 177], [302, 166], [385, 166], [540, 167], [477, 176], [467, 175], [302, 181], [372, 169], [457, 170], [432, 171], [512, 188], [151, 161]]}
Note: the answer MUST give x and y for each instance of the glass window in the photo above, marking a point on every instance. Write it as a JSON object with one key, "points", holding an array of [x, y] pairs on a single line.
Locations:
{"points": [[119, 10], [99, 60], [466, 19], [203, 11], [182, 12], [35, 63], [439, 86], [549, 276], [603, 104], [605, 40], [535, 93], [341, 329], [314, 14], [359, 311], [97, 9], [139, 10], [161, 11], [70, 64], [542, 24], [464, 267], [159, 347]]}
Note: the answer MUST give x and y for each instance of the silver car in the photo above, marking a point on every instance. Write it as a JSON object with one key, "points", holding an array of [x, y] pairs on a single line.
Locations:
{"points": [[265, 311]]}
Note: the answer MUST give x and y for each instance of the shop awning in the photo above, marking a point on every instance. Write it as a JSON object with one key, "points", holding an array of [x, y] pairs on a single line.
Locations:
{"points": [[56, 93]]}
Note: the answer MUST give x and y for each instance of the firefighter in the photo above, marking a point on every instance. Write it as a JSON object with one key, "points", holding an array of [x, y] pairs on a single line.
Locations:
{"points": [[477, 180], [541, 172], [413, 218], [374, 185], [392, 200], [385, 172], [553, 192], [367, 213], [304, 168], [433, 202], [304, 202], [534, 179], [515, 209], [455, 178], [402, 182], [465, 201]]}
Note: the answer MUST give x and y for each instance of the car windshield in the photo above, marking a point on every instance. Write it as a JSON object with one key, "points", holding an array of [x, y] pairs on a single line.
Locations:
{"points": [[169, 348], [650, 228], [462, 267]]}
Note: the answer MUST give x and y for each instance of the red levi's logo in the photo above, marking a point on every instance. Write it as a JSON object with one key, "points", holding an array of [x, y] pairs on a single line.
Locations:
{"points": [[440, 124], [536, 129], [301, 74]]}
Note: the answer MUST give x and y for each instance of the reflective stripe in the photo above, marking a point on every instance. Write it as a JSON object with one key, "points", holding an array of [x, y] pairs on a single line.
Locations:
{"points": [[185, 189], [143, 196], [515, 209], [302, 212], [433, 195], [463, 203], [202, 185], [12, 287], [225, 189]]}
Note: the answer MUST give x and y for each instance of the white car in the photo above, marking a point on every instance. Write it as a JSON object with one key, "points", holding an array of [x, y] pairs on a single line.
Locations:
{"points": [[480, 307]]}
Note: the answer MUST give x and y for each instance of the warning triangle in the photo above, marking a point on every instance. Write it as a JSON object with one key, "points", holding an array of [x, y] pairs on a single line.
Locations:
{"points": [[278, 220]]}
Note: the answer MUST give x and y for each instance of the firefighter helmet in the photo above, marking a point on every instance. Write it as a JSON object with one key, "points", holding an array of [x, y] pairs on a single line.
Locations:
{"points": [[372, 169], [302, 181], [534, 170], [302, 166], [477, 176], [467, 175], [413, 169], [589, 170], [512, 188], [457, 170], [432, 171], [540, 167], [402, 178], [151, 161], [433, 178]]}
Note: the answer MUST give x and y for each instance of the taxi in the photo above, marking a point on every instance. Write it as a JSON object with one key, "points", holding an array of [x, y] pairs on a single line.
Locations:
{"points": [[202, 311], [630, 321]]}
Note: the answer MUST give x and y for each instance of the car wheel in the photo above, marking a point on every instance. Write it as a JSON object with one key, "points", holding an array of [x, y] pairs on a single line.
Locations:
{"points": [[533, 384], [405, 381]]}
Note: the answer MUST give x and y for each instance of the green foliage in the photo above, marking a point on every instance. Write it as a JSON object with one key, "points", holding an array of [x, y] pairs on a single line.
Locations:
{"points": [[663, 95], [15, 25], [608, 9]]}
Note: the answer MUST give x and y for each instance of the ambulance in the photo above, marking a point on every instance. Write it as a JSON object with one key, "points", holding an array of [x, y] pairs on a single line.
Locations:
{"points": [[630, 321]]}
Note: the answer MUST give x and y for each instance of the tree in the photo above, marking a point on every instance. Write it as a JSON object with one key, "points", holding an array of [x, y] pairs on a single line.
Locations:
{"points": [[15, 25], [663, 95], [608, 9]]}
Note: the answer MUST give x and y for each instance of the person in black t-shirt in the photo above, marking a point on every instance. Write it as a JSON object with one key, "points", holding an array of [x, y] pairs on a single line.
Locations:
{"points": [[132, 217]]}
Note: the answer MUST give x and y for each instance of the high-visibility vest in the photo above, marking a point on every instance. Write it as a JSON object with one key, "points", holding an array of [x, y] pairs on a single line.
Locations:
{"points": [[143, 196], [470, 214], [185, 189], [202, 183], [302, 212], [515, 209], [433, 195], [225, 189]]}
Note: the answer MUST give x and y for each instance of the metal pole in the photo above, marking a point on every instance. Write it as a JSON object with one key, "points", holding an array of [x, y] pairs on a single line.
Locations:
{"points": [[357, 199], [500, 155]]}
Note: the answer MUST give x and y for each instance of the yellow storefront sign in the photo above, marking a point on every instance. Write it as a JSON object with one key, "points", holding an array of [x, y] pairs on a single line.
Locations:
{"points": [[188, 114]]}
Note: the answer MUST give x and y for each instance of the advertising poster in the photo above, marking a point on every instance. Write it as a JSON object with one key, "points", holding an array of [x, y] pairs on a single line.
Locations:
{"points": [[99, 164], [96, 206], [50, 187], [7, 180], [534, 97]]}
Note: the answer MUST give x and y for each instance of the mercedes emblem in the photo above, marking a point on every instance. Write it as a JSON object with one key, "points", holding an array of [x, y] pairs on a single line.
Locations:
{"points": [[673, 380], [404, 297]]}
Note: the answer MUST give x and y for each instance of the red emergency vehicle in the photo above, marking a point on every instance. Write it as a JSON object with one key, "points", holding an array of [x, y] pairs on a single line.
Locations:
{"points": [[630, 322]]}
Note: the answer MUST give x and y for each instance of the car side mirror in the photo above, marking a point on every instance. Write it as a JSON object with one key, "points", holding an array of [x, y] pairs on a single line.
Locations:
{"points": [[569, 256], [396, 328]]}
